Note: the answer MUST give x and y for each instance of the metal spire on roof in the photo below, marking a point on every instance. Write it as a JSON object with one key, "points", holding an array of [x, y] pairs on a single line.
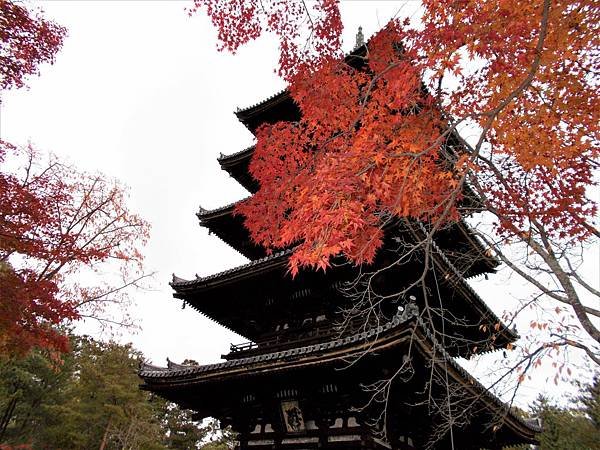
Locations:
{"points": [[360, 38]]}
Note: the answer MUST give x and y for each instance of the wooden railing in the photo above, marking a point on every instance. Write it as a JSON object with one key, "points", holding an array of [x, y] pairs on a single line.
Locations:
{"points": [[245, 346], [296, 337], [281, 340]]}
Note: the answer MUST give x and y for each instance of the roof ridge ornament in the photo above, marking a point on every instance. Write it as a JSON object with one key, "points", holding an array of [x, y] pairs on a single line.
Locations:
{"points": [[178, 366], [246, 149], [203, 212], [360, 38], [177, 279]]}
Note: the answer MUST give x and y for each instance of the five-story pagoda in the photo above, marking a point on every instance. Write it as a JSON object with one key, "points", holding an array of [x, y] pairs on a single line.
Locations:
{"points": [[312, 375]]}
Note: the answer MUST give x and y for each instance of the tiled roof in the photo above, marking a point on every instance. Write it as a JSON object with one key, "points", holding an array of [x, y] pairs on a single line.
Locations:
{"points": [[281, 93], [456, 277], [149, 371], [411, 313], [258, 263], [225, 158], [358, 51], [459, 279], [206, 213]]}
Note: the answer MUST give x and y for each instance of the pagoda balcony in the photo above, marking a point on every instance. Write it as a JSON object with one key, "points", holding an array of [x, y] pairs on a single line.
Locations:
{"points": [[292, 337], [243, 347], [277, 341]]}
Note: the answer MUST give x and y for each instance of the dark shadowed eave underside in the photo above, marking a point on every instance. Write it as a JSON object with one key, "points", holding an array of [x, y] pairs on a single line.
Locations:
{"points": [[196, 292], [279, 107], [459, 242], [404, 327], [237, 165], [230, 229]]}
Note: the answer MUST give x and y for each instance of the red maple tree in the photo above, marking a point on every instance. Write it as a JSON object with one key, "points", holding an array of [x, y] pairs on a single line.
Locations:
{"points": [[58, 225], [381, 138], [56, 221], [28, 39]]}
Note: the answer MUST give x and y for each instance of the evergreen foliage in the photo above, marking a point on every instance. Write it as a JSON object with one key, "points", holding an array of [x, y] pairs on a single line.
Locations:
{"points": [[91, 399], [575, 427]]}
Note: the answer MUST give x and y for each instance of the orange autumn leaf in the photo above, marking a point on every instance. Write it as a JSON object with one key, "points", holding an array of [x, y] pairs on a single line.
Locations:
{"points": [[373, 139]]}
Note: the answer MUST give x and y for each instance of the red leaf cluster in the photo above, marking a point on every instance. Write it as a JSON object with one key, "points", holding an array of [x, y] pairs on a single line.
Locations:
{"points": [[54, 220], [307, 31], [536, 91], [366, 148], [27, 41], [371, 142]]}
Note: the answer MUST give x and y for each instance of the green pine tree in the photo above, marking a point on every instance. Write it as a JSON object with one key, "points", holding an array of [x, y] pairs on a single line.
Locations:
{"points": [[92, 400], [574, 427]]}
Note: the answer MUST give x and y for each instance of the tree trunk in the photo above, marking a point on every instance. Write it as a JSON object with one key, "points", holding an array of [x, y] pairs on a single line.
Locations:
{"points": [[105, 437], [10, 408]]}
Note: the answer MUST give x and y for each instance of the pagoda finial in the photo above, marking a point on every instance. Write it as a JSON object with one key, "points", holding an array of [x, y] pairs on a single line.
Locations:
{"points": [[360, 38]]}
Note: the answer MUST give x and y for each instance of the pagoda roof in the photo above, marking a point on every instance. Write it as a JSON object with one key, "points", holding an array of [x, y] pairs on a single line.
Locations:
{"points": [[258, 106], [228, 276], [276, 108], [458, 280], [148, 371], [237, 166], [230, 229], [206, 214], [407, 326], [281, 106], [217, 295], [232, 158]]}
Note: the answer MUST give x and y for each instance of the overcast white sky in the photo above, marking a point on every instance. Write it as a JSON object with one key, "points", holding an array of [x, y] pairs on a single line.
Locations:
{"points": [[140, 93]]}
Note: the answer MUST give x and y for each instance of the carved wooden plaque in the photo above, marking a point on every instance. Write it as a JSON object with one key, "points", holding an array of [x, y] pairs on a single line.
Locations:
{"points": [[292, 416]]}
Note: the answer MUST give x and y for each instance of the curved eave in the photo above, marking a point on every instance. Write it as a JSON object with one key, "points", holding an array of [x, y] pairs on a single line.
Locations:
{"points": [[193, 292], [288, 359], [263, 104], [277, 108], [230, 276], [227, 161], [264, 111], [237, 166], [394, 333], [231, 230], [207, 214], [480, 261], [505, 335], [221, 297]]}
